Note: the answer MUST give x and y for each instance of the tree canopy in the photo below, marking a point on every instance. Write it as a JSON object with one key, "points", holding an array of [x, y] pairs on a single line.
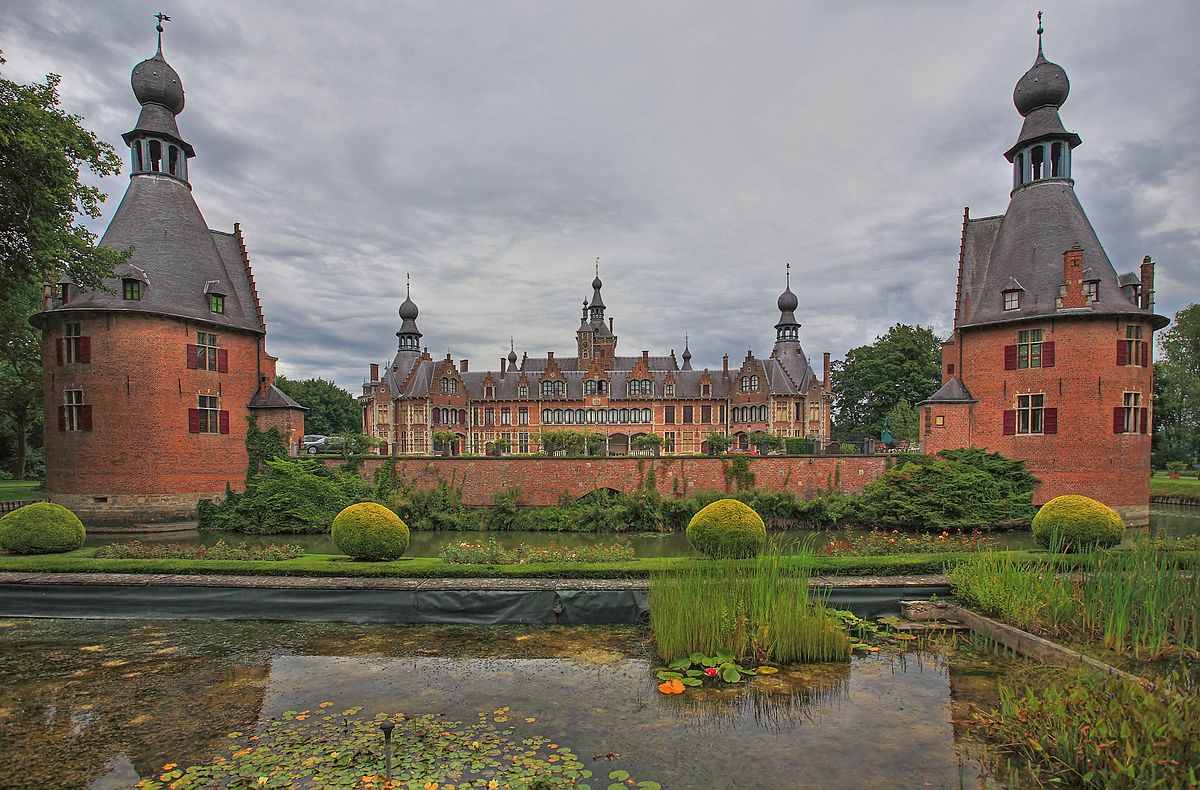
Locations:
{"points": [[331, 410], [902, 365], [1177, 390]]}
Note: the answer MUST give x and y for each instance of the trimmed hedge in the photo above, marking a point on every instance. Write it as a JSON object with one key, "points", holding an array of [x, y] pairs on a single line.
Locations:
{"points": [[41, 528], [369, 531], [1077, 522], [727, 528]]}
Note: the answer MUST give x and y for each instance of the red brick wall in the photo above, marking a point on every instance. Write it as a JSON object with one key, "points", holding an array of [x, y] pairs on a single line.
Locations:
{"points": [[1085, 385], [140, 390], [545, 480]]}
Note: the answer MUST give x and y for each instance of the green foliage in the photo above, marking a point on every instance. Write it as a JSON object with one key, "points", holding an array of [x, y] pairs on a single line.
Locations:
{"points": [[1102, 732], [1073, 523], [445, 442], [20, 376], [300, 496], [571, 443], [727, 528], [1177, 390], [718, 443], [220, 550], [881, 542], [331, 410], [261, 446], [647, 442], [369, 531], [798, 445], [41, 528], [902, 365], [764, 441], [957, 489], [737, 472], [490, 552], [904, 422]]}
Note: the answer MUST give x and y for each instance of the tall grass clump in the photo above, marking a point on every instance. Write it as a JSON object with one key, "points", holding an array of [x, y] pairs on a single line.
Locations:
{"points": [[759, 608]]}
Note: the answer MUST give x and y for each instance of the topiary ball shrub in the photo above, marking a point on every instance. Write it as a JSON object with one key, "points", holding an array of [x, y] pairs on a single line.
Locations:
{"points": [[1076, 522], [41, 528], [727, 528], [369, 531]]}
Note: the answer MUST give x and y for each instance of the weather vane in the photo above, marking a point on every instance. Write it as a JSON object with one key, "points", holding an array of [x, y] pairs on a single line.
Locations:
{"points": [[1040, 28], [789, 274], [161, 17], [597, 265], [408, 285]]}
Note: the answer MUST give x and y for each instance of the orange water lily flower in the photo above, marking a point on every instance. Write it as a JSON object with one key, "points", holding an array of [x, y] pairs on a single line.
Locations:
{"points": [[671, 687], [168, 766]]}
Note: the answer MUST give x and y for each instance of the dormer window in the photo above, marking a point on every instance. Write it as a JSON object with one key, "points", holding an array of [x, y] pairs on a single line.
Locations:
{"points": [[132, 289], [589, 387], [749, 383], [523, 391], [1012, 300], [64, 293], [706, 390], [489, 392], [216, 304], [669, 390], [1091, 291]]}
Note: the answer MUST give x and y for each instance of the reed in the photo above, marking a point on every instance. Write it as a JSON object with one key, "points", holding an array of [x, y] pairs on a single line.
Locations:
{"points": [[760, 608]]}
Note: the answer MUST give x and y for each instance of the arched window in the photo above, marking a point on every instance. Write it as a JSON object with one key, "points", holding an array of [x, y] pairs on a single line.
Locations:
{"points": [[444, 385], [436, 414], [1018, 170], [762, 413], [646, 415], [569, 416], [156, 156], [1037, 162], [602, 387], [560, 388], [591, 416], [624, 416], [453, 386], [754, 382], [136, 151], [589, 387], [489, 392], [173, 161], [547, 389], [580, 417], [1057, 169]]}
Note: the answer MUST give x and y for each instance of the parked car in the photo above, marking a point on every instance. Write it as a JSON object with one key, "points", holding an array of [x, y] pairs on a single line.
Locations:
{"points": [[313, 443], [324, 444]]}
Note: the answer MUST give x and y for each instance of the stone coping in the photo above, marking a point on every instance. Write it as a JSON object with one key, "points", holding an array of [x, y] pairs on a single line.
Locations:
{"points": [[380, 583]]}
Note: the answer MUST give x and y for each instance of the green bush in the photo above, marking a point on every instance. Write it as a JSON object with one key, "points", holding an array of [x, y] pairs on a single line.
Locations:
{"points": [[1075, 522], [727, 528], [369, 531], [41, 528], [288, 496]]}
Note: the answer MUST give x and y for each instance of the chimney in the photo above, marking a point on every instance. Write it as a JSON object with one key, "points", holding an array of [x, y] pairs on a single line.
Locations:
{"points": [[825, 364], [646, 358], [549, 355], [1147, 275], [502, 370], [462, 366], [610, 325], [1073, 278], [725, 365], [374, 371]]}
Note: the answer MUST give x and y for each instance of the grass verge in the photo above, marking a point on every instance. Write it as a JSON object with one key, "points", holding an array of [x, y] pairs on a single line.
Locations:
{"points": [[17, 490], [1162, 485]]}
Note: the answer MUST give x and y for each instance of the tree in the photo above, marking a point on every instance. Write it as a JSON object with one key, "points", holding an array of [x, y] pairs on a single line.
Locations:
{"points": [[904, 422], [443, 441], [902, 365], [718, 443], [764, 441], [331, 410], [42, 151], [1177, 390], [647, 443]]}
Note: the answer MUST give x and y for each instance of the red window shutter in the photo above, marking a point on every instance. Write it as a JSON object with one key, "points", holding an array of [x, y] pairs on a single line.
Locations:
{"points": [[1049, 420], [62, 418], [192, 362], [1010, 357], [1145, 357], [1048, 354], [193, 419], [85, 417], [223, 421], [1118, 419], [1145, 419], [58, 351], [222, 360], [1122, 352], [85, 349], [1010, 422]]}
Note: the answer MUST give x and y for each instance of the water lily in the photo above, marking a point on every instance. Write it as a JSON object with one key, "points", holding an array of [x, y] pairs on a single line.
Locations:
{"points": [[711, 672]]}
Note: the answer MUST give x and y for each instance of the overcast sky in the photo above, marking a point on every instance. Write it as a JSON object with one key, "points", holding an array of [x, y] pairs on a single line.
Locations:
{"points": [[494, 150]]}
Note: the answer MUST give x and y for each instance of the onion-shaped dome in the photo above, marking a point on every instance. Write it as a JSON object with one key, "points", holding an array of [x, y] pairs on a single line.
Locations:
{"points": [[408, 309], [512, 357], [1045, 84], [155, 82], [788, 301]]}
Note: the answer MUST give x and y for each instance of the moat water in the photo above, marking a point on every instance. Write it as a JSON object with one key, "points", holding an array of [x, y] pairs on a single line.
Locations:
{"points": [[100, 704]]}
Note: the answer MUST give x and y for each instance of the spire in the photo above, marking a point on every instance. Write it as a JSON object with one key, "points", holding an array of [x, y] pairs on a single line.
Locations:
{"points": [[596, 308], [409, 335], [161, 17], [788, 328], [1043, 148], [687, 354], [155, 144], [512, 352]]}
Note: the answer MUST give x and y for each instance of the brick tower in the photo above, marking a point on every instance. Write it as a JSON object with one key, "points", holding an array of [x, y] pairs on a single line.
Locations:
{"points": [[1050, 356], [148, 383]]}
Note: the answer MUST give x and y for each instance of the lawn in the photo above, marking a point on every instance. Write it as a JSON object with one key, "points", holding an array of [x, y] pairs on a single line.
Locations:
{"points": [[14, 490], [1162, 485]]}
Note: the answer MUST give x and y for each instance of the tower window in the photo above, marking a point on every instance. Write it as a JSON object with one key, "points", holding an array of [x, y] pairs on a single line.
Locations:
{"points": [[1012, 300], [136, 151], [73, 412], [1029, 413], [1029, 348], [132, 290], [210, 414], [216, 303], [1132, 411], [206, 351], [1057, 169], [173, 161], [1037, 162], [1018, 170], [156, 156]]}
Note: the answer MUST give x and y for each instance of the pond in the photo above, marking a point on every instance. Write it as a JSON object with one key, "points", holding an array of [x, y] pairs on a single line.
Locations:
{"points": [[1165, 520], [101, 704]]}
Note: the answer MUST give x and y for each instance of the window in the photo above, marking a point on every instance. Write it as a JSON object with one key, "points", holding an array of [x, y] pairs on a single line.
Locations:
{"points": [[687, 415], [706, 414], [489, 392], [705, 390], [74, 415], [939, 421], [1029, 413], [444, 385], [208, 417], [136, 149], [523, 416], [668, 444], [156, 156], [207, 355], [216, 304], [669, 390], [589, 387], [74, 347], [132, 290], [1091, 291], [1133, 350], [522, 390], [1131, 416], [173, 161], [505, 416], [522, 442], [669, 415], [749, 383], [1029, 348], [64, 292], [814, 413], [1012, 300], [602, 387]]}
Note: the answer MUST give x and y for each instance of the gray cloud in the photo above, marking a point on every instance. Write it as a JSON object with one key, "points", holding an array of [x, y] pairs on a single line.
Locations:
{"points": [[494, 151]]}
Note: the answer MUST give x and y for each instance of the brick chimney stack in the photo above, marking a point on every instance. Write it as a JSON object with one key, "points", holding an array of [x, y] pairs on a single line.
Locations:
{"points": [[825, 363], [462, 367], [374, 371], [1147, 275], [725, 365], [1073, 278], [503, 361]]}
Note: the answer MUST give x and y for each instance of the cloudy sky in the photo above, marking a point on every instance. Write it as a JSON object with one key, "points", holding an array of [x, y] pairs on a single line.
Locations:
{"points": [[494, 150]]}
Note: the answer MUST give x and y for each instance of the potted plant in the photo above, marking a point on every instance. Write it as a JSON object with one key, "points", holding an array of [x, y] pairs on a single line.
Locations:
{"points": [[1175, 468]]}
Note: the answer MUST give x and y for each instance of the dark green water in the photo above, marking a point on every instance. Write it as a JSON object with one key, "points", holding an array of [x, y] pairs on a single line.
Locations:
{"points": [[101, 703]]}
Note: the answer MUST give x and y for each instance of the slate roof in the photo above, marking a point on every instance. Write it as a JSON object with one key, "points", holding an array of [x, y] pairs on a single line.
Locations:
{"points": [[177, 255], [953, 391], [1026, 244], [274, 398]]}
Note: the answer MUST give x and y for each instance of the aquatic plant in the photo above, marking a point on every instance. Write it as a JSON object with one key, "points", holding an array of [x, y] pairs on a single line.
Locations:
{"points": [[490, 552], [220, 550], [727, 528], [41, 528], [324, 749], [1076, 523], [1102, 732], [369, 531]]}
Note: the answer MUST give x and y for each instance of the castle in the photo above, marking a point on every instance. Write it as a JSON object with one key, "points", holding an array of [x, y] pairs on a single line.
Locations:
{"points": [[149, 383]]}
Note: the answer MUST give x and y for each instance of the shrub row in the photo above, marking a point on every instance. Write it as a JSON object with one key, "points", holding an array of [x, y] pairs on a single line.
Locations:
{"points": [[220, 550], [490, 552]]}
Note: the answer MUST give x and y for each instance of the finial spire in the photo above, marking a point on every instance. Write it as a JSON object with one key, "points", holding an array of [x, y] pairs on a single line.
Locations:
{"points": [[789, 274], [161, 17], [597, 265], [407, 285], [1040, 30], [512, 345]]}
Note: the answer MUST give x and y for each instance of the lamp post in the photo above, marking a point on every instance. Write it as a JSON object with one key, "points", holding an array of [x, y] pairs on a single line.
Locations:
{"points": [[387, 727]]}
